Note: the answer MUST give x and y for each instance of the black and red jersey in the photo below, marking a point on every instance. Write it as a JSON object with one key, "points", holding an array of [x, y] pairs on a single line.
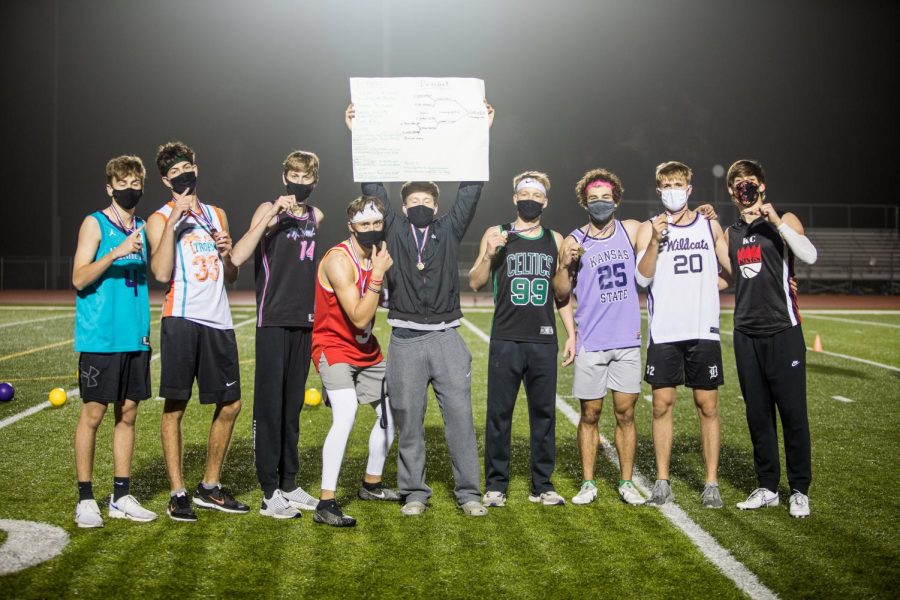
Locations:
{"points": [[762, 265]]}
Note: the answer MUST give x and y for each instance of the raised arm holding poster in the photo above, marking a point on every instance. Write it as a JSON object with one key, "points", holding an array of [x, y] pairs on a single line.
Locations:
{"points": [[412, 128]]}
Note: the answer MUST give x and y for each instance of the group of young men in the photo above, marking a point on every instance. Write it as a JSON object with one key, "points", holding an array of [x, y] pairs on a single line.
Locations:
{"points": [[322, 311]]}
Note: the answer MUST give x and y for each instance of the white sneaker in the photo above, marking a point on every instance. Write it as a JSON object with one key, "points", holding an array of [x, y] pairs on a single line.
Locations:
{"points": [[300, 500], [413, 508], [129, 508], [494, 499], [759, 498], [629, 494], [550, 498], [278, 507], [87, 514], [472, 508], [799, 505], [586, 495]]}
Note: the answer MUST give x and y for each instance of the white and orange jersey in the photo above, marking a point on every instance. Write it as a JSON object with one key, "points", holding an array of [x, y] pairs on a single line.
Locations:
{"points": [[197, 284]]}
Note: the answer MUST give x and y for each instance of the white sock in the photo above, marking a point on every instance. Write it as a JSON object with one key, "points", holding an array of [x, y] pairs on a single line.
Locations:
{"points": [[343, 414], [380, 440]]}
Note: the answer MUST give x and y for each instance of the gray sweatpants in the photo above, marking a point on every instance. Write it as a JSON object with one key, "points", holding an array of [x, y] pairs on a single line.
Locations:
{"points": [[442, 359]]}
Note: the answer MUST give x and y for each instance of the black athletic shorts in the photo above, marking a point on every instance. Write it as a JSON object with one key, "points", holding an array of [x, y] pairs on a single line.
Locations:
{"points": [[694, 363], [114, 376], [192, 350]]}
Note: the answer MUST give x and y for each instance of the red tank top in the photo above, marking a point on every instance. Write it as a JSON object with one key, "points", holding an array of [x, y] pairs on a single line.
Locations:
{"points": [[334, 335]]}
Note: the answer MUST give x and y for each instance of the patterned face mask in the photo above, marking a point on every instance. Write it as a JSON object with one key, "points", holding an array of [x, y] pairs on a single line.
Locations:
{"points": [[747, 192]]}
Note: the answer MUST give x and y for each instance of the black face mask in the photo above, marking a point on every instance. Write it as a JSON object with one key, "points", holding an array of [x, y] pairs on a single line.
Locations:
{"points": [[367, 239], [127, 198], [184, 182], [300, 191], [529, 209], [420, 215], [747, 192]]}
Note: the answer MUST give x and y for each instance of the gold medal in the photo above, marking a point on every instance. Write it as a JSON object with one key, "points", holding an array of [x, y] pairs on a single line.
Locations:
{"points": [[420, 265]]}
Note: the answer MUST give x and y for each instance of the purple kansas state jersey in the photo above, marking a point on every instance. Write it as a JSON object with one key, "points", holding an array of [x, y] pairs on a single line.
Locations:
{"points": [[608, 315]]}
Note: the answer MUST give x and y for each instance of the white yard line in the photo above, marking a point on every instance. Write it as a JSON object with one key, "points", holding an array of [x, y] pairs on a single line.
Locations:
{"points": [[846, 357], [853, 321], [74, 391], [841, 399], [742, 577], [26, 322]]}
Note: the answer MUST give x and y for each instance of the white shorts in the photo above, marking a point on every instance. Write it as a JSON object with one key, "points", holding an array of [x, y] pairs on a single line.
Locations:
{"points": [[368, 382], [595, 372]]}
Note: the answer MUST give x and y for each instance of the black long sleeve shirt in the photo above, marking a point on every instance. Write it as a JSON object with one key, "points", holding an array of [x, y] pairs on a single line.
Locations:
{"points": [[429, 296]]}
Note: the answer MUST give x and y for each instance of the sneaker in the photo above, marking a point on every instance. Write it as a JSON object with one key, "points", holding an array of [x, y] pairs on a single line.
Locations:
{"points": [[473, 508], [219, 498], [799, 505], [759, 498], [548, 498], [710, 498], [412, 509], [384, 494], [87, 514], [278, 507], [179, 509], [332, 515], [629, 494], [127, 507], [300, 500], [586, 495], [495, 499], [662, 493]]}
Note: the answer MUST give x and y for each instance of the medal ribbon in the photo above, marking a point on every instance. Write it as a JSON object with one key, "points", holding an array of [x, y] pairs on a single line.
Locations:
{"points": [[363, 275], [121, 224], [419, 247]]}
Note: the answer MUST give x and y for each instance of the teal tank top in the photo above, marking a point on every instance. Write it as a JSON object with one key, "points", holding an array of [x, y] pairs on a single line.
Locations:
{"points": [[113, 313]]}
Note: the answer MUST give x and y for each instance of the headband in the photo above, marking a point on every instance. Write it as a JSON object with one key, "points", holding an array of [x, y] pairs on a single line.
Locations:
{"points": [[368, 212], [530, 182], [174, 161], [598, 183]]}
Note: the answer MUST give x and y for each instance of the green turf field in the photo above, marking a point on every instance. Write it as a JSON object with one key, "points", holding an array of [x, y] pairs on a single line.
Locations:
{"points": [[848, 548]]}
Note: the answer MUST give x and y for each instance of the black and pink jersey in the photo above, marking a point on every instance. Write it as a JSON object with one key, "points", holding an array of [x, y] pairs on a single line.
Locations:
{"points": [[285, 266]]}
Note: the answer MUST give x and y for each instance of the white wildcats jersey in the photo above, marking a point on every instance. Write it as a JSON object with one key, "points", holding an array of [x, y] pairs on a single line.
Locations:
{"points": [[683, 299], [197, 285]]}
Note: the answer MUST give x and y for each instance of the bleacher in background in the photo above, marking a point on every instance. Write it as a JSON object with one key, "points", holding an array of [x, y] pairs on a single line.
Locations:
{"points": [[852, 261]]}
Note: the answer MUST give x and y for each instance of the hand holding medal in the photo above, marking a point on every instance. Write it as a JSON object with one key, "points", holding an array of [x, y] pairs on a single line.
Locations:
{"points": [[133, 244]]}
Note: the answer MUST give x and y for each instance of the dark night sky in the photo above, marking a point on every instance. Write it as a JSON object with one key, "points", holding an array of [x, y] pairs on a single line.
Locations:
{"points": [[801, 86]]}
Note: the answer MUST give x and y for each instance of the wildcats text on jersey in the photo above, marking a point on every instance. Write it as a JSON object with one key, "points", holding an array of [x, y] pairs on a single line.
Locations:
{"points": [[685, 244]]}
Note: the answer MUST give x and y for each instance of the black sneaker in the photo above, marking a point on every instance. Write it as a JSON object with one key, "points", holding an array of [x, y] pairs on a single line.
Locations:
{"points": [[379, 492], [219, 498], [332, 515], [179, 509]]}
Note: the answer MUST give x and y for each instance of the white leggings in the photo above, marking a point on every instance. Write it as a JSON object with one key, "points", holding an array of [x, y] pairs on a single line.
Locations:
{"points": [[343, 415]]}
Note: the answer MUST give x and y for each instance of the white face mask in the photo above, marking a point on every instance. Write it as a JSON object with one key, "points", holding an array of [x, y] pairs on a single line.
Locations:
{"points": [[674, 200]]}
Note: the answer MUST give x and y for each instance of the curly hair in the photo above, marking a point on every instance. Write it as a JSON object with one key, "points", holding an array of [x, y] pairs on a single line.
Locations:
{"points": [[598, 175]]}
